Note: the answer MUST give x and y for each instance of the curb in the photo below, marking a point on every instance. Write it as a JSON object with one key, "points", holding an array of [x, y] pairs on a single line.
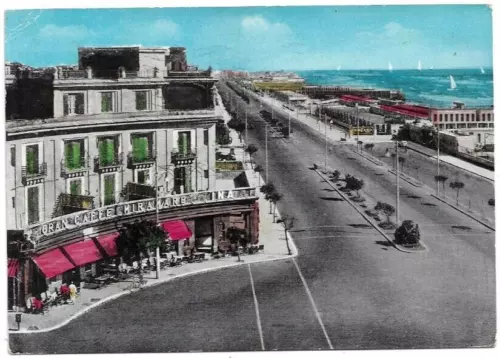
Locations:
{"points": [[464, 212], [453, 165], [127, 292], [407, 180], [374, 161], [398, 247]]}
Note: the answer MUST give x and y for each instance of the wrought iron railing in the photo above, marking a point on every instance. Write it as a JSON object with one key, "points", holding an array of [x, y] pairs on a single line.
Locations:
{"points": [[103, 163], [73, 165], [29, 173], [84, 202], [190, 74], [136, 160], [181, 156]]}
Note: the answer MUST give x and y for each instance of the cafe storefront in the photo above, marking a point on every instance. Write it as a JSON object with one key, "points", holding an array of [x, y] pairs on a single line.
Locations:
{"points": [[69, 247]]}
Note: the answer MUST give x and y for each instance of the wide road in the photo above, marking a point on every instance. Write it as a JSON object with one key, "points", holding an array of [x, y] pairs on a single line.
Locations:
{"points": [[346, 290]]}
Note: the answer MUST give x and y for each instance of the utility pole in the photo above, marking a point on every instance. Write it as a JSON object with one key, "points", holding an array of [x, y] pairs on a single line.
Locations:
{"points": [[357, 118], [157, 219], [326, 144], [246, 126], [438, 159], [397, 183], [267, 164]]}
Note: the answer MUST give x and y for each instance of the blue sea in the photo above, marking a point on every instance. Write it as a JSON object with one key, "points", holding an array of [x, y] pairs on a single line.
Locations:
{"points": [[427, 87]]}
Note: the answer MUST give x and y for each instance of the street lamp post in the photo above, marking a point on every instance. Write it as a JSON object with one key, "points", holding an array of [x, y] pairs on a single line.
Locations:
{"points": [[267, 164], [289, 122], [438, 157], [157, 220], [246, 126], [397, 183], [326, 145], [357, 119]]}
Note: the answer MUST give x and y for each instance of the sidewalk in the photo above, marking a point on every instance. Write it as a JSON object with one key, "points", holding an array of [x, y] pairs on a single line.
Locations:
{"points": [[271, 235], [457, 162]]}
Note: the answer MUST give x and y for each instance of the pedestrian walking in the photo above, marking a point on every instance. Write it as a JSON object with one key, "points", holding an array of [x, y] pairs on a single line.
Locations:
{"points": [[72, 292]]}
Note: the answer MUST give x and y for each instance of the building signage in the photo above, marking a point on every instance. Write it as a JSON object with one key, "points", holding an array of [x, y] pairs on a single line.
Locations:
{"points": [[88, 217]]}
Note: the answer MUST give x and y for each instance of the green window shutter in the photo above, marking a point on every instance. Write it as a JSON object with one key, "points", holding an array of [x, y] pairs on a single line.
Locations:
{"points": [[68, 146], [183, 143], [106, 102], [33, 202], [76, 155], [109, 189], [75, 187], [110, 151], [140, 148], [32, 159], [102, 152]]}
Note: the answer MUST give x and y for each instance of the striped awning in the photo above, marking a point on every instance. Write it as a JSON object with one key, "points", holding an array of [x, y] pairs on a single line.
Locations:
{"points": [[13, 267]]}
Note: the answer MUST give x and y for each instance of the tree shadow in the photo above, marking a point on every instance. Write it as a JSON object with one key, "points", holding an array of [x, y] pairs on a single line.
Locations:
{"points": [[327, 189], [383, 243], [429, 204], [365, 226], [461, 227], [414, 197], [330, 199]]}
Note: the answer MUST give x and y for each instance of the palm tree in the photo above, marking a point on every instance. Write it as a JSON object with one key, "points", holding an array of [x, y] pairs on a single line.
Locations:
{"points": [[274, 198], [457, 185]]}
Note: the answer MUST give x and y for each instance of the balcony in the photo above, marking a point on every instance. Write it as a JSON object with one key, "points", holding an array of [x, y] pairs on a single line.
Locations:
{"points": [[74, 169], [135, 191], [190, 74], [183, 157], [69, 203], [135, 162], [102, 165], [33, 175]]}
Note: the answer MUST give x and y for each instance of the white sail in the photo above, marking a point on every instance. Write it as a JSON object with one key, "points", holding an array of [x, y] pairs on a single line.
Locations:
{"points": [[482, 70], [419, 65], [453, 85], [339, 67], [390, 67], [431, 68]]}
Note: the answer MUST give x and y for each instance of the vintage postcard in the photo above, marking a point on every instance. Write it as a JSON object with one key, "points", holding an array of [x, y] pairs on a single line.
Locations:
{"points": [[248, 179]]}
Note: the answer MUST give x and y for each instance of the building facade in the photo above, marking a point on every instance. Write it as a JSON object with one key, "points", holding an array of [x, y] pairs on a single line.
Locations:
{"points": [[133, 141], [461, 117]]}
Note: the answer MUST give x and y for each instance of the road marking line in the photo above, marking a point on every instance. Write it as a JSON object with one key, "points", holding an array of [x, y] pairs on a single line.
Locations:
{"points": [[316, 312], [259, 325]]}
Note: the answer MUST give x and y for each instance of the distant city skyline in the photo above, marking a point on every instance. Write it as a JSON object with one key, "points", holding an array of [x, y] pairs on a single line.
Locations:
{"points": [[265, 38]]}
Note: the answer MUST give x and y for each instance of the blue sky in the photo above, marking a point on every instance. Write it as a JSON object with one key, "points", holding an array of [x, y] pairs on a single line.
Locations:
{"points": [[260, 38]]}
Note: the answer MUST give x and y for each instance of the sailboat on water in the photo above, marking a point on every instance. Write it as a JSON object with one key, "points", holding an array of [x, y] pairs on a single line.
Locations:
{"points": [[339, 67], [453, 84], [482, 70], [390, 67], [431, 68], [419, 67]]}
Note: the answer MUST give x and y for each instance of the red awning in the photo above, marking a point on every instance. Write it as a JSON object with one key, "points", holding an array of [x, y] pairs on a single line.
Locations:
{"points": [[13, 267], [177, 230], [53, 263], [83, 252], [108, 243]]}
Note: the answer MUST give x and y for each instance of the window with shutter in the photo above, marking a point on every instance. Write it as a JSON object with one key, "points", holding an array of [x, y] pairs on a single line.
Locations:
{"points": [[141, 100], [107, 151], [109, 189], [140, 147], [74, 152], [184, 142], [75, 187], [33, 205], [32, 159], [106, 102]]}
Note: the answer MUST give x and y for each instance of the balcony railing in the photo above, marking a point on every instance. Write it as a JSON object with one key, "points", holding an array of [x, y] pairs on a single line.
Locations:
{"points": [[74, 166], [37, 172], [66, 74], [183, 157], [135, 191], [83, 202], [134, 161], [103, 164], [190, 74]]}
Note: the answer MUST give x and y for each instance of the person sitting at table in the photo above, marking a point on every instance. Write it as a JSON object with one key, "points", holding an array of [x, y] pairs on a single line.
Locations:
{"points": [[37, 305], [65, 291]]}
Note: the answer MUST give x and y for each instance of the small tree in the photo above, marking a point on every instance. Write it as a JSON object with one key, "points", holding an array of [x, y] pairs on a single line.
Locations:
{"points": [[258, 169], [491, 202], [355, 184], [267, 190], [274, 198], [288, 223], [457, 185], [369, 146], [402, 161], [387, 209], [441, 179], [251, 149]]}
